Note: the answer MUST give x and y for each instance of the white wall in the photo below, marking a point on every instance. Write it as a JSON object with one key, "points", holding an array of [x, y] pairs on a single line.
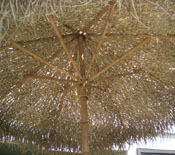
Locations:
{"points": [[166, 143]]}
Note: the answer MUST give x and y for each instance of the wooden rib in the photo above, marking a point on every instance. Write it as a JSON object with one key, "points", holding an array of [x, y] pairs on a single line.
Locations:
{"points": [[102, 37], [152, 77], [117, 112], [51, 78], [119, 59], [89, 52], [114, 106], [133, 35], [81, 53], [43, 61], [112, 102], [103, 47], [33, 72], [67, 89], [100, 15], [69, 27], [119, 75], [63, 44], [40, 40]]}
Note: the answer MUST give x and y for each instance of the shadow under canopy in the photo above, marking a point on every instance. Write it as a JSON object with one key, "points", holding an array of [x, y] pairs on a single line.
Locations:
{"points": [[94, 76]]}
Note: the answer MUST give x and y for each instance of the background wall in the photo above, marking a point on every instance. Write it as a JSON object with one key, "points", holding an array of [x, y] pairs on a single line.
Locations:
{"points": [[165, 143]]}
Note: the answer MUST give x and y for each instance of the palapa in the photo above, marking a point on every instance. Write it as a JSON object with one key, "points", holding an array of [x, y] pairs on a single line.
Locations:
{"points": [[86, 75]]}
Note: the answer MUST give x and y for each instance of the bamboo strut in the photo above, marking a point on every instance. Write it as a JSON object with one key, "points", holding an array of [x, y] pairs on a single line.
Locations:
{"points": [[83, 101], [152, 77], [102, 36], [43, 61], [119, 59], [119, 75], [40, 40], [107, 91], [59, 108], [51, 78], [33, 72], [114, 106], [100, 15], [63, 44], [67, 89], [133, 35], [95, 43]]}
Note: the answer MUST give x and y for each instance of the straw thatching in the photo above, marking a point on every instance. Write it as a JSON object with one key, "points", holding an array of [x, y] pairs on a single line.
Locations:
{"points": [[129, 84]]}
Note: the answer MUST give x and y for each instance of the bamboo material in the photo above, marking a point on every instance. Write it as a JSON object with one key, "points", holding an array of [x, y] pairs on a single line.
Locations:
{"points": [[33, 72], [65, 92], [117, 111], [96, 43], [51, 78], [100, 15], [133, 35], [59, 108], [63, 44], [119, 59], [40, 40], [83, 101], [102, 37], [152, 77], [43, 61], [119, 75]]}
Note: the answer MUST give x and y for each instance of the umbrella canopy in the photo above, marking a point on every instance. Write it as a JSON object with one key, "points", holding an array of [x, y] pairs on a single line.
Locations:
{"points": [[86, 74]]}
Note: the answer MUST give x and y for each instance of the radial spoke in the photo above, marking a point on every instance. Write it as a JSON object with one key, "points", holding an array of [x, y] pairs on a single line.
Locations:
{"points": [[51, 79], [43, 61], [63, 44], [102, 37], [117, 111], [133, 35], [112, 102], [32, 73], [118, 75], [102, 47], [94, 21], [59, 108], [152, 77], [40, 40], [119, 59], [89, 52], [67, 89]]}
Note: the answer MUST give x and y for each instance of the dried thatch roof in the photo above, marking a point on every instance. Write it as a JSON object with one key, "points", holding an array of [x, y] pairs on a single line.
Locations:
{"points": [[130, 100]]}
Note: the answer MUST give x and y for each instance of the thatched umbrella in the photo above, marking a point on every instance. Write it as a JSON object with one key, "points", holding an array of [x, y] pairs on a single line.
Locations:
{"points": [[104, 70]]}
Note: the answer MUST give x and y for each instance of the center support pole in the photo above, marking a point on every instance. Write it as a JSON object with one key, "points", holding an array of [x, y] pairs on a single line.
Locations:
{"points": [[83, 97], [84, 120]]}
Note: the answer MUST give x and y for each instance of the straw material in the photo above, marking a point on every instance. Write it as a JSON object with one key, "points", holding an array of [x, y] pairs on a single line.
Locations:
{"points": [[130, 85]]}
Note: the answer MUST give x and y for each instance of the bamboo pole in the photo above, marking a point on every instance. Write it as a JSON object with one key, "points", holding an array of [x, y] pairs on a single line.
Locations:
{"points": [[60, 38], [43, 61], [119, 59], [84, 121], [140, 71], [18, 85], [100, 15], [83, 101], [102, 36], [51, 79], [133, 35], [35, 41]]}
